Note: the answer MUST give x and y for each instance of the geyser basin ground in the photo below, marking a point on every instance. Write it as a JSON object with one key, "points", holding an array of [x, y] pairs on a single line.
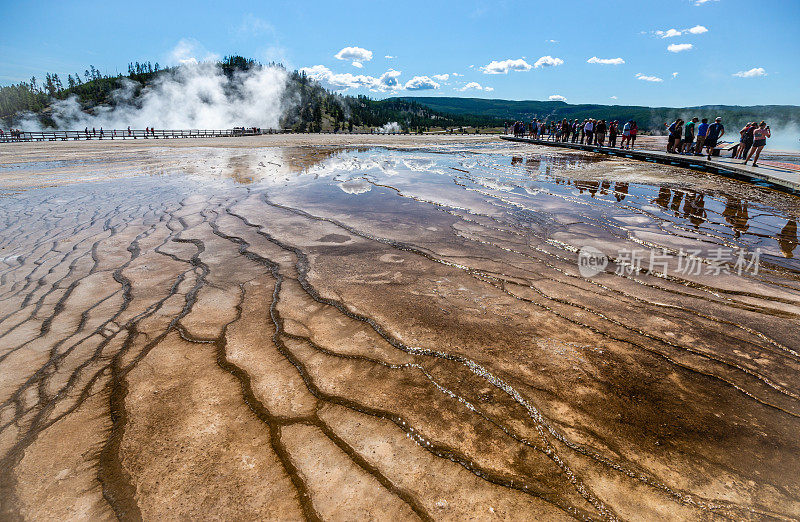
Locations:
{"points": [[391, 327]]}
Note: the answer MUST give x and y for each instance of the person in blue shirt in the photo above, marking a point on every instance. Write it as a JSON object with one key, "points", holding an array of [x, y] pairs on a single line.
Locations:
{"points": [[715, 132], [702, 130]]}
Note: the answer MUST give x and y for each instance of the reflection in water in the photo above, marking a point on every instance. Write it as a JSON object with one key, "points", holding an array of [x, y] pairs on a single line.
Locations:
{"points": [[677, 197], [620, 190], [787, 238], [694, 209], [589, 186], [664, 195], [735, 214]]}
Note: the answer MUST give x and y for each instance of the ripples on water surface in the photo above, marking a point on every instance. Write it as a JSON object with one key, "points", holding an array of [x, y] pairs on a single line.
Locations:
{"points": [[352, 332]]}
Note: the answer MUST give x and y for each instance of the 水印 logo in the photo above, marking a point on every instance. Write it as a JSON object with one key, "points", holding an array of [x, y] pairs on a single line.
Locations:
{"points": [[591, 261]]}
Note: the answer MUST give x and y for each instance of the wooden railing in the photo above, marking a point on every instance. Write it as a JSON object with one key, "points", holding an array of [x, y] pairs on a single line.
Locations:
{"points": [[133, 134]]}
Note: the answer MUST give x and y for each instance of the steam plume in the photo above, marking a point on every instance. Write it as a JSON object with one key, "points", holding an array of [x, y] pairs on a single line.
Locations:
{"points": [[192, 96]]}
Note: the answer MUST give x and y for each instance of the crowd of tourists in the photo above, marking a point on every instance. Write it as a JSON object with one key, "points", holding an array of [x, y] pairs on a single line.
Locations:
{"points": [[691, 138], [586, 132]]}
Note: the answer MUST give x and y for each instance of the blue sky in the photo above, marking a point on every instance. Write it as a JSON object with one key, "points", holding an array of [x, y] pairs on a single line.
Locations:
{"points": [[406, 47]]}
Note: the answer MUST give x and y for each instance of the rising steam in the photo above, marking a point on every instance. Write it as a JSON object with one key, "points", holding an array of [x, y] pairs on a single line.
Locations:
{"points": [[192, 96]]}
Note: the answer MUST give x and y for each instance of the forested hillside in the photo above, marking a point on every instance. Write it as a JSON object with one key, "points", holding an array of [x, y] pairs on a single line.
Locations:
{"points": [[310, 107], [651, 118]]}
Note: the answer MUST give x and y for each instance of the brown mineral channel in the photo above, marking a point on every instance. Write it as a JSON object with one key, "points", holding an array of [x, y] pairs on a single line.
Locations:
{"points": [[388, 327]]}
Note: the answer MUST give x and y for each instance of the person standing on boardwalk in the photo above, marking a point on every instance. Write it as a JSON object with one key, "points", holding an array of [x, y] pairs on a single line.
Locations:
{"points": [[688, 136], [702, 130], [626, 135], [746, 140], [715, 132], [612, 133], [760, 135], [600, 133], [675, 133], [634, 132], [588, 130]]}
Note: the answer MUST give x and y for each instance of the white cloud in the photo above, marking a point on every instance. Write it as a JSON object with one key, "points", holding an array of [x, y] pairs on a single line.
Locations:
{"points": [[643, 77], [456, 74], [336, 81], [356, 186], [701, 2], [388, 81], [358, 64], [476, 86], [552, 41], [343, 81], [752, 73], [390, 57], [671, 33], [556, 97], [190, 51], [548, 61], [502, 67], [354, 54], [421, 83], [605, 61], [674, 75], [678, 48], [613, 97], [441, 77]]}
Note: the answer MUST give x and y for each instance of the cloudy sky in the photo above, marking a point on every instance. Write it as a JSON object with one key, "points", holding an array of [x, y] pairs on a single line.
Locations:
{"points": [[644, 52]]}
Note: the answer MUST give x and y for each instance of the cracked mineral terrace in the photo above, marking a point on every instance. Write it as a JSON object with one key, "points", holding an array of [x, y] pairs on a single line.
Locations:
{"points": [[333, 327]]}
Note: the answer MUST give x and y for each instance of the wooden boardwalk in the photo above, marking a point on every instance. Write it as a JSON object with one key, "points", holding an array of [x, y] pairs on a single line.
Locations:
{"points": [[767, 173]]}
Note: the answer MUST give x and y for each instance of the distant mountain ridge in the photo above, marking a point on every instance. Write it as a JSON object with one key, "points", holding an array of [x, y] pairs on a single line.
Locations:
{"points": [[648, 117]]}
